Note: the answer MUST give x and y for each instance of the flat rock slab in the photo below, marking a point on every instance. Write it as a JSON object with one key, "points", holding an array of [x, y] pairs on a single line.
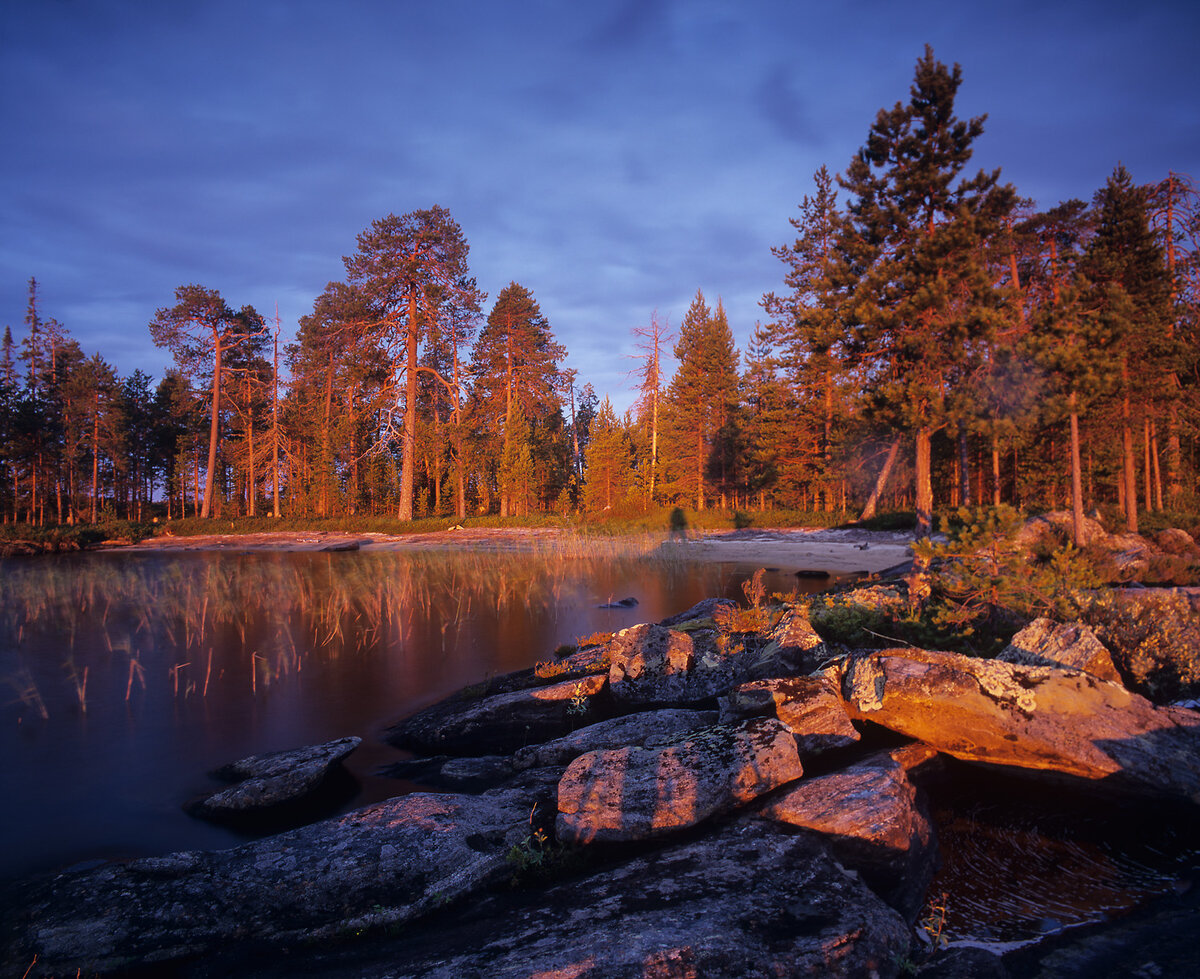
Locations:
{"points": [[1028, 716], [810, 707], [876, 822], [382, 865], [498, 724], [752, 900], [645, 728], [272, 781], [636, 793]]}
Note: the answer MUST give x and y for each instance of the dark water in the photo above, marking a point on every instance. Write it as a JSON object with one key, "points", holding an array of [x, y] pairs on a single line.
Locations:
{"points": [[125, 678], [1023, 859]]}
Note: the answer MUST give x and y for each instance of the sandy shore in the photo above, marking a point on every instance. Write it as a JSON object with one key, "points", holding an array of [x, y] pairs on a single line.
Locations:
{"points": [[835, 551]]}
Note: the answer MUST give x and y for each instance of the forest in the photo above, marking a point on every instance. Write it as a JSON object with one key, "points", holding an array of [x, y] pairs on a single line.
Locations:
{"points": [[935, 340]]}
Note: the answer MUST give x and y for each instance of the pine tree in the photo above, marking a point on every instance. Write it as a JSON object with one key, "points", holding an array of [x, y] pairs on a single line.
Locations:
{"points": [[699, 396], [514, 365], [412, 271], [607, 461], [914, 236], [1129, 292], [200, 329]]}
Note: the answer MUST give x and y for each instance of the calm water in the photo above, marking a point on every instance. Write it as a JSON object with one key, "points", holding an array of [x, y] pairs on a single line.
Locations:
{"points": [[127, 677]]}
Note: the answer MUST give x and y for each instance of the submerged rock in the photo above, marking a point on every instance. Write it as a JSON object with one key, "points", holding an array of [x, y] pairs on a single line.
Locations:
{"points": [[1028, 716], [635, 793], [271, 782]]}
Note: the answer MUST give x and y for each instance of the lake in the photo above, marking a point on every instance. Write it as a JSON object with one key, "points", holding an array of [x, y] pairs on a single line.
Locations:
{"points": [[129, 676]]}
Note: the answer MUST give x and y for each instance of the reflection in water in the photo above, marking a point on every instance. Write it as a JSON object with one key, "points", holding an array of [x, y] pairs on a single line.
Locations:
{"points": [[128, 676], [1021, 859]]}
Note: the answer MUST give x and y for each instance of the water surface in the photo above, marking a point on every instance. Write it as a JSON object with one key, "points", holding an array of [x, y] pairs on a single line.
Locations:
{"points": [[127, 677]]}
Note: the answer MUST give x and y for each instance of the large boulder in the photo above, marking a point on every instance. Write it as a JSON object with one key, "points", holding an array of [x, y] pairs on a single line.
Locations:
{"points": [[653, 666], [750, 900], [876, 822], [636, 793], [382, 865], [810, 707], [1030, 717], [500, 723], [1071, 646], [275, 782], [1049, 531], [645, 728]]}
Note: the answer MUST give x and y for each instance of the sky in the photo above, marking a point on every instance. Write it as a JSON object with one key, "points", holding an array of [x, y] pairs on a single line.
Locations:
{"points": [[612, 156]]}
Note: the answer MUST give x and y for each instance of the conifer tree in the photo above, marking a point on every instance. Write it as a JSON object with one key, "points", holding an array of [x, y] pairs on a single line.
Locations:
{"points": [[412, 271], [607, 460], [700, 394], [923, 301], [1129, 292]]}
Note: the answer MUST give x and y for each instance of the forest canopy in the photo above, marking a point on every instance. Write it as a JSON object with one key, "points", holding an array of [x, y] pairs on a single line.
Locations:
{"points": [[935, 340]]}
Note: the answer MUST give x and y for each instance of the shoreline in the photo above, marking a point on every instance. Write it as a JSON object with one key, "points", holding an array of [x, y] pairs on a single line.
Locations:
{"points": [[835, 551]]}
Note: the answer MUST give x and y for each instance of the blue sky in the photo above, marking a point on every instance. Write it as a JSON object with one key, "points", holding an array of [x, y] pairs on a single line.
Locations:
{"points": [[611, 156]]}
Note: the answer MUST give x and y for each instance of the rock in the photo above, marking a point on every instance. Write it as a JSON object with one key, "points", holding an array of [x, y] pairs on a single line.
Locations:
{"points": [[646, 728], [752, 900], [1154, 635], [500, 723], [653, 666], [1071, 646], [964, 962], [705, 609], [1028, 716], [875, 821], [455, 774], [274, 781], [1049, 531], [797, 641], [623, 603], [382, 865], [810, 707], [1130, 555], [637, 793], [1177, 542]]}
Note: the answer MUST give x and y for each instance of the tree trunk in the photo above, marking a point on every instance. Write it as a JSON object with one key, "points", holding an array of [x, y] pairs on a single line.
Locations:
{"points": [[964, 465], [924, 481], [1158, 481], [95, 461], [275, 421], [213, 429], [409, 442], [1131, 494], [996, 494], [881, 481], [1076, 477]]}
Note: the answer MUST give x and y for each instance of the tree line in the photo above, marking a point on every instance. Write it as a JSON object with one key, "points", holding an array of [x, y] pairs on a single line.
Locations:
{"points": [[936, 338]]}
